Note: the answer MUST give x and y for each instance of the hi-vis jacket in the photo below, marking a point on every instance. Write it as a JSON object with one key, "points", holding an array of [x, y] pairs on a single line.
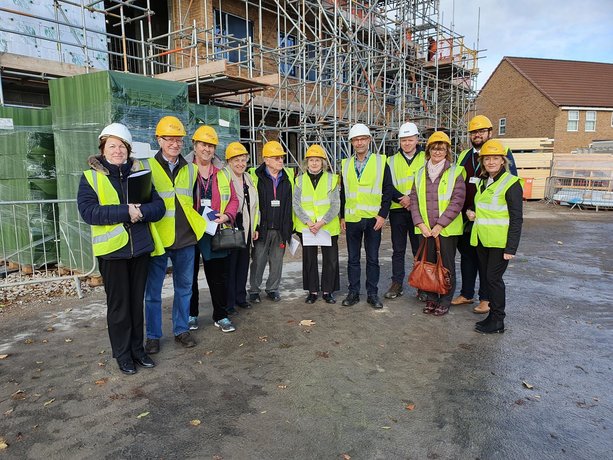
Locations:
{"points": [[491, 226], [315, 202], [363, 195], [182, 190], [403, 175]]}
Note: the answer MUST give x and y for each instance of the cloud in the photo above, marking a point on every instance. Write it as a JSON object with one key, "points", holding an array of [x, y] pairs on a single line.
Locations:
{"points": [[546, 29]]}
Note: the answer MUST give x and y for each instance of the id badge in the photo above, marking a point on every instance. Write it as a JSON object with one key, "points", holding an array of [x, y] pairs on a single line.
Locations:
{"points": [[275, 203], [474, 180], [205, 202]]}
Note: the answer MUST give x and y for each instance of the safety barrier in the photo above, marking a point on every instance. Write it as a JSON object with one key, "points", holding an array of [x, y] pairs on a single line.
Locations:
{"points": [[36, 245], [580, 192]]}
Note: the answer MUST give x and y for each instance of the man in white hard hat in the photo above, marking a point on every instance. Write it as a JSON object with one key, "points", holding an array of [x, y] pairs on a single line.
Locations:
{"points": [[366, 194], [403, 166]]}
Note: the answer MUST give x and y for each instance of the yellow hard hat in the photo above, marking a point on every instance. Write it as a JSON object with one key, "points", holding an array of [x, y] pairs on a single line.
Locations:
{"points": [[315, 151], [170, 126], [273, 149], [438, 136], [492, 147], [235, 149], [206, 134], [479, 122]]}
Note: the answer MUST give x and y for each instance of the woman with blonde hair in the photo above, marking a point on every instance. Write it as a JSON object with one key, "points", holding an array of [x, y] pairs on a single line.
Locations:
{"points": [[497, 229], [316, 205]]}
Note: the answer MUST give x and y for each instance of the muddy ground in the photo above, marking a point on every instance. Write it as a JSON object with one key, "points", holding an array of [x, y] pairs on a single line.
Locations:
{"points": [[359, 383]]}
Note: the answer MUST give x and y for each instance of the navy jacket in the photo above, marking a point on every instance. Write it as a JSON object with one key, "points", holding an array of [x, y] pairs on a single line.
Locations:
{"points": [[278, 218], [94, 213]]}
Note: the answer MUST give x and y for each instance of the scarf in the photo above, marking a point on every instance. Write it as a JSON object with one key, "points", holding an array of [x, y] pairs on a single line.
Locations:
{"points": [[435, 170]]}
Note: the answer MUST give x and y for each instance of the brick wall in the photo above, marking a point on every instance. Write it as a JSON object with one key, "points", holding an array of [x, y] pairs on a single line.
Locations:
{"points": [[509, 95], [567, 141]]}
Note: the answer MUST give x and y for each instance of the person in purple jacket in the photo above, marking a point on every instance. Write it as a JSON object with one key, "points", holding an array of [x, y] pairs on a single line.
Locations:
{"points": [[437, 197], [123, 240]]}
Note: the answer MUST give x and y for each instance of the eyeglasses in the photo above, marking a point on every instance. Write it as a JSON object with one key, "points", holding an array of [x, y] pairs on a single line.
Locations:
{"points": [[172, 140], [438, 149], [480, 131]]}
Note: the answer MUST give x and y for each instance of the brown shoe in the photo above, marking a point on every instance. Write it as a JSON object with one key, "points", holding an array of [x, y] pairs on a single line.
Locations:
{"points": [[483, 307], [394, 291], [152, 346], [461, 300], [185, 339]]}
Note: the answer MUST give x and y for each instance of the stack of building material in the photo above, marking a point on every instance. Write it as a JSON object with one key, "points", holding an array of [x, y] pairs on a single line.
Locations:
{"points": [[534, 168], [81, 107], [583, 180], [27, 233], [225, 121]]}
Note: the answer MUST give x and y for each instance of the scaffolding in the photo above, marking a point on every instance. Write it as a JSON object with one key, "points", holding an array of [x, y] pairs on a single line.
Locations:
{"points": [[300, 71]]}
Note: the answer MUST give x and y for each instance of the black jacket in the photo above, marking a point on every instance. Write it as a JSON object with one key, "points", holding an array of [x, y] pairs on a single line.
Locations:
{"points": [[94, 213], [278, 218]]}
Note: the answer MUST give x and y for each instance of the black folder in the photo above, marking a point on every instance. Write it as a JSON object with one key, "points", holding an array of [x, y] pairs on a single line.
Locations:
{"points": [[139, 187]]}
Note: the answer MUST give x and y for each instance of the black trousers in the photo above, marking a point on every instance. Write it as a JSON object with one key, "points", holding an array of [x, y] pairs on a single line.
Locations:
{"points": [[330, 275], [124, 284], [469, 265], [492, 263], [448, 247], [215, 271], [238, 269], [402, 226]]}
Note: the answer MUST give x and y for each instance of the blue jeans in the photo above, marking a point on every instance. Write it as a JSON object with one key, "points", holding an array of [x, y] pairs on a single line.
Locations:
{"points": [[356, 231], [182, 274]]}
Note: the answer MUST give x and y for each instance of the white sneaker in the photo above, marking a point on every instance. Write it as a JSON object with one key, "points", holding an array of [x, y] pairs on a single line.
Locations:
{"points": [[193, 323], [225, 325]]}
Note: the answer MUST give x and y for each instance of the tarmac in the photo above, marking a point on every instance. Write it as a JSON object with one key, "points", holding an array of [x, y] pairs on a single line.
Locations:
{"points": [[357, 383]]}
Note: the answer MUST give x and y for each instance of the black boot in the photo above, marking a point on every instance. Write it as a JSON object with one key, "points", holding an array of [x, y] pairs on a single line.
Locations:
{"points": [[493, 326], [484, 321]]}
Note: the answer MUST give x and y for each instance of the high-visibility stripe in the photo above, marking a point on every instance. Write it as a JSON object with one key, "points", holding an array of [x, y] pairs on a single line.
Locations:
{"points": [[166, 194], [492, 221], [107, 236]]}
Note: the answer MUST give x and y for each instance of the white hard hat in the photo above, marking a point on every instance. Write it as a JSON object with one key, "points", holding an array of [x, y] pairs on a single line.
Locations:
{"points": [[408, 129], [359, 129], [117, 130]]}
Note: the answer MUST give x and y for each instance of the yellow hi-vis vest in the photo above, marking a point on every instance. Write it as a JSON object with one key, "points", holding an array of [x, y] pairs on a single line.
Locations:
{"points": [[445, 189], [316, 201], [110, 238], [491, 225], [223, 184], [182, 189], [403, 175], [363, 195]]}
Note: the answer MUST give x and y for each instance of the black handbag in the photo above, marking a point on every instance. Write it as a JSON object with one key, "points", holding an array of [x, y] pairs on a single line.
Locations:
{"points": [[228, 238]]}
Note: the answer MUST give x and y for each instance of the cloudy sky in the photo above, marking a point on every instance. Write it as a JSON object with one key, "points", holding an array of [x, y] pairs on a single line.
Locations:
{"points": [[555, 29]]}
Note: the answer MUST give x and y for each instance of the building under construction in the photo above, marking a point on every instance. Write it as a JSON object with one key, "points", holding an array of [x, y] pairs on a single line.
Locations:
{"points": [[300, 71]]}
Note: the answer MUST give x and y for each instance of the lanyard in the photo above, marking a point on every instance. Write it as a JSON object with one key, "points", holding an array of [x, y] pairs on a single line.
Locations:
{"points": [[275, 183], [476, 166], [358, 172]]}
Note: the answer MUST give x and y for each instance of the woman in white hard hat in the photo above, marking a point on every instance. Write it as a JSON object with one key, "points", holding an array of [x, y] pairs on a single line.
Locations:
{"points": [[123, 240], [247, 218], [436, 203], [497, 228], [316, 204]]}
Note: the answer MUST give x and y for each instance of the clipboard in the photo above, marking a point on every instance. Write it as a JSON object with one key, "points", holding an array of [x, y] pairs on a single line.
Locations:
{"points": [[139, 187]]}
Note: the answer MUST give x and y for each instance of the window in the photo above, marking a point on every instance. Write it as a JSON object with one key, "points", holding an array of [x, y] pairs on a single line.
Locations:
{"points": [[286, 66], [231, 34], [502, 126], [573, 121], [310, 69], [590, 120]]}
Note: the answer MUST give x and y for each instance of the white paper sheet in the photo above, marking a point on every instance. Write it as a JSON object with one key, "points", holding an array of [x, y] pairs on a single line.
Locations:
{"points": [[321, 238], [211, 226], [294, 244]]}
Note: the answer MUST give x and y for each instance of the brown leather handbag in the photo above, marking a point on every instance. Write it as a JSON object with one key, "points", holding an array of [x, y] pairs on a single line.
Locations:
{"points": [[428, 276]]}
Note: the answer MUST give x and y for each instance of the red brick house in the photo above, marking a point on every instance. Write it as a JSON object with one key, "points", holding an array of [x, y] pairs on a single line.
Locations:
{"points": [[568, 101]]}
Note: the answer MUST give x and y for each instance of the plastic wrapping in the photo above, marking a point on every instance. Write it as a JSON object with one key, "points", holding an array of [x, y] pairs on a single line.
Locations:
{"points": [[82, 106], [226, 123], [27, 232]]}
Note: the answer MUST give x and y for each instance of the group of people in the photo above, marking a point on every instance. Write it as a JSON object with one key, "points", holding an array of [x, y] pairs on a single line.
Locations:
{"points": [[474, 205]]}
